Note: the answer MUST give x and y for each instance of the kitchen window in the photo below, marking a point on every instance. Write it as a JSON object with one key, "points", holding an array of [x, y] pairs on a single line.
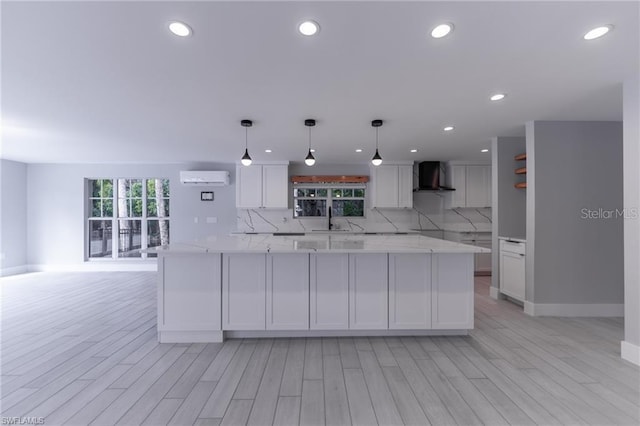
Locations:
{"points": [[126, 216], [312, 201]]}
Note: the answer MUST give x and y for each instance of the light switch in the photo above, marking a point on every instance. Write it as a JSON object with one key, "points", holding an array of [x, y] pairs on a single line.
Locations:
{"points": [[212, 219]]}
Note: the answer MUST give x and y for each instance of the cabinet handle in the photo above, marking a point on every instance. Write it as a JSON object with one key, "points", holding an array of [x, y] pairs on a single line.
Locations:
{"points": [[522, 255]]}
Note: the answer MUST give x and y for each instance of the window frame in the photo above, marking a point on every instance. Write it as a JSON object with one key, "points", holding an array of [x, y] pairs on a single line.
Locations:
{"points": [[115, 218], [329, 198]]}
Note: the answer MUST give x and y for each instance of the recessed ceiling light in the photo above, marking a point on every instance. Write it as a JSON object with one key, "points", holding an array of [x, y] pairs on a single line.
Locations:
{"points": [[267, 150], [598, 32], [308, 28], [498, 97], [448, 128], [414, 150], [358, 150], [441, 30], [484, 150], [179, 28]]}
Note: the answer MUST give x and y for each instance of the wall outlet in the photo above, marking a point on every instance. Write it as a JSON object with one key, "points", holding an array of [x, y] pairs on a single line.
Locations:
{"points": [[195, 219], [212, 219]]}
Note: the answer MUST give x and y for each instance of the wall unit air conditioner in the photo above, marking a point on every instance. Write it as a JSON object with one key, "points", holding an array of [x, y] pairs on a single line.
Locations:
{"points": [[204, 178]]}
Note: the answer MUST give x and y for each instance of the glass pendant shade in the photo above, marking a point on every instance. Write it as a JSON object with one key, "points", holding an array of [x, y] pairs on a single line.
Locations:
{"points": [[246, 159], [376, 160], [309, 159]]}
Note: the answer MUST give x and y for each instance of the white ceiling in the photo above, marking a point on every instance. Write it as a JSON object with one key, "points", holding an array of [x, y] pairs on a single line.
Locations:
{"points": [[106, 82]]}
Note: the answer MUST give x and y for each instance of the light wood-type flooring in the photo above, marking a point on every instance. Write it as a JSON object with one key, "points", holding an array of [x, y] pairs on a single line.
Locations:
{"points": [[80, 348]]}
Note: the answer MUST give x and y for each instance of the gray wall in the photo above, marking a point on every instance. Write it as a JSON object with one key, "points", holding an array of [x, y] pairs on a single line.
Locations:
{"points": [[576, 167], [632, 204], [56, 210], [509, 205], [13, 216]]}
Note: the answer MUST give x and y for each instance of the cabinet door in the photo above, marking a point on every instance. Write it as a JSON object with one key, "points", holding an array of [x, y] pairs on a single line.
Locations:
{"points": [[368, 291], [189, 294], [385, 186], [288, 291], [512, 275], [483, 260], [478, 186], [410, 291], [275, 188], [459, 182], [329, 286], [249, 187], [452, 296], [405, 186], [243, 291]]}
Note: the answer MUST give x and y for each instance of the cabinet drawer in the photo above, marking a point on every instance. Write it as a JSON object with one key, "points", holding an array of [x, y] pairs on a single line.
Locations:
{"points": [[512, 246]]}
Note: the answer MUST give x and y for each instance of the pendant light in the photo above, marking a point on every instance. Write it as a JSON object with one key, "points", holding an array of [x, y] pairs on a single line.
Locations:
{"points": [[377, 159], [310, 159], [246, 159]]}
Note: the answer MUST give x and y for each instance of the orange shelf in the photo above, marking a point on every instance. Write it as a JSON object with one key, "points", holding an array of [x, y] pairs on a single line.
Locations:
{"points": [[329, 179], [520, 157], [521, 185], [521, 171]]}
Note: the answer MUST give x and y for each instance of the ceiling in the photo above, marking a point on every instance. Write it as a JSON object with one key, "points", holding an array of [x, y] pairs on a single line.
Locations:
{"points": [[104, 82]]}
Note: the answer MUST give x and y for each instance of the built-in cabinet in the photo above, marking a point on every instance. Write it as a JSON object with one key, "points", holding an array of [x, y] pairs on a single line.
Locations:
{"points": [[482, 261], [392, 186], [409, 291], [262, 186], [512, 269], [329, 292], [243, 291], [287, 291], [452, 300], [368, 291], [472, 183]]}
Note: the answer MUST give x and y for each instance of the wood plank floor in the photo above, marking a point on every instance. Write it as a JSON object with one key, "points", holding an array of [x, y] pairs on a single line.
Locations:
{"points": [[80, 349]]}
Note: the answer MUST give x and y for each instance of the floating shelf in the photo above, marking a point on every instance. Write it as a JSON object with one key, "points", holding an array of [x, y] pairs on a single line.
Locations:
{"points": [[521, 185], [521, 171], [329, 179], [520, 157]]}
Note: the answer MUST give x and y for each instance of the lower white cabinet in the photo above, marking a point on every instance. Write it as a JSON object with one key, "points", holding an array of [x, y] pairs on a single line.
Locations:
{"points": [[452, 291], [512, 269], [243, 290], [329, 291], [189, 292], [409, 291], [287, 291], [368, 291]]}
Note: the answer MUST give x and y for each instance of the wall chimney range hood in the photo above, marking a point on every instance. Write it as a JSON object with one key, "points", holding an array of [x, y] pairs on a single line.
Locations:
{"points": [[430, 177]]}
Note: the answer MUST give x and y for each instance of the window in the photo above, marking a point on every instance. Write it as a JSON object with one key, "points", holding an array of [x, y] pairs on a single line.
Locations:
{"points": [[140, 219], [314, 201]]}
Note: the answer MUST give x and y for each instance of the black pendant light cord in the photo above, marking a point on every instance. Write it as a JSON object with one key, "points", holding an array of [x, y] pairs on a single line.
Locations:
{"points": [[246, 138], [309, 139]]}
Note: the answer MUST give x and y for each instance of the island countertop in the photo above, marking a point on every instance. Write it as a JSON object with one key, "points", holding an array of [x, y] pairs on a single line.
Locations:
{"points": [[264, 243]]}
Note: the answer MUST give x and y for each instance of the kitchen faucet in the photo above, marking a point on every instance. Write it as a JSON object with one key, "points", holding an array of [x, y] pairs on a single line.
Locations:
{"points": [[330, 224]]}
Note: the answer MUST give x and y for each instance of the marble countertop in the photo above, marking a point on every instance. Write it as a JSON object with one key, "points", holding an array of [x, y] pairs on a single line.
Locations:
{"points": [[520, 240], [266, 243]]}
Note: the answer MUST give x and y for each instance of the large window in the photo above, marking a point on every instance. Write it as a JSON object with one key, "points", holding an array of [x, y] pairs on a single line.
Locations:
{"points": [[139, 220], [315, 201]]}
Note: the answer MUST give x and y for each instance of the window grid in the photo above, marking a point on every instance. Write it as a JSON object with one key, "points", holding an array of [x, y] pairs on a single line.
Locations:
{"points": [[312, 201]]}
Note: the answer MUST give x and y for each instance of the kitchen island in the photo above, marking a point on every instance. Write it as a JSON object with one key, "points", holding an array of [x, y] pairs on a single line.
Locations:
{"points": [[314, 285]]}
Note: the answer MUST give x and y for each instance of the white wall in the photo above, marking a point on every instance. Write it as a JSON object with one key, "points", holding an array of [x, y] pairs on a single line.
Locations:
{"points": [[56, 209], [13, 217], [631, 168], [576, 257]]}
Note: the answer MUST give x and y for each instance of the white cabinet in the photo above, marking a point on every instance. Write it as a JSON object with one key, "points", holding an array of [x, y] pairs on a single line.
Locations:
{"points": [[452, 291], [392, 186], [287, 291], [189, 292], [512, 269], [368, 291], [472, 185], [329, 291], [482, 261], [243, 291], [262, 186], [409, 291]]}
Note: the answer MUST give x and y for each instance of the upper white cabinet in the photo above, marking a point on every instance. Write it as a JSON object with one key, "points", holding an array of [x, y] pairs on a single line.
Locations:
{"points": [[473, 185], [262, 186], [392, 186]]}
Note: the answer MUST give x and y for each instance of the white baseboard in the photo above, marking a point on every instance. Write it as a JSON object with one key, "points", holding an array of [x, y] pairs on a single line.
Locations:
{"points": [[96, 267], [14, 270], [574, 309], [494, 292], [190, 336], [340, 333], [630, 352]]}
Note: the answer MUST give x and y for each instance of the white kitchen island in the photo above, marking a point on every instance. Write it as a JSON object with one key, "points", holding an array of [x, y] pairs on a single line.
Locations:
{"points": [[314, 285]]}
